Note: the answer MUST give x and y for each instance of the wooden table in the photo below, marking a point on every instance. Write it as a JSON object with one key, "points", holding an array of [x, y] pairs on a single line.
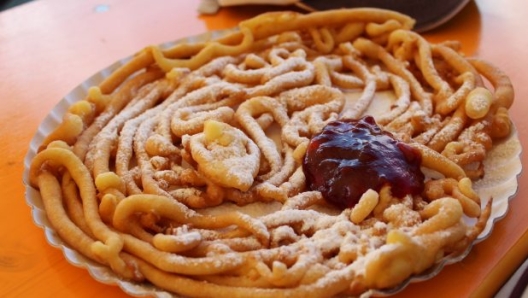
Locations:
{"points": [[47, 47]]}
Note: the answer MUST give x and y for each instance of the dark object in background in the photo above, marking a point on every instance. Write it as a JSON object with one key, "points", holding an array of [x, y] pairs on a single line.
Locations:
{"points": [[6, 4], [428, 14]]}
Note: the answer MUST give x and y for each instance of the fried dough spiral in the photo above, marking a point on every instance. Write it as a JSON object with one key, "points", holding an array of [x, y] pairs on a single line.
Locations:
{"points": [[183, 167]]}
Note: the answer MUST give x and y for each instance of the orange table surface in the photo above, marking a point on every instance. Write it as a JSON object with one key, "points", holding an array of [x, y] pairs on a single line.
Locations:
{"points": [[47, 47]]}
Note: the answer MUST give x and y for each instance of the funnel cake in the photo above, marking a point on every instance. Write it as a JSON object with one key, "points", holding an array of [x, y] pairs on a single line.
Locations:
{"points": [[184, 167]]}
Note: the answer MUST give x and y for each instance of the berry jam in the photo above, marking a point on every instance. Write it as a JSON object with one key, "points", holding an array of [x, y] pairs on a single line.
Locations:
{"points": [[351, 156]]}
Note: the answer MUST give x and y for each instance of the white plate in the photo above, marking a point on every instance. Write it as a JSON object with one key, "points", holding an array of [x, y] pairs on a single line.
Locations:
{"points": [[500, 182]]}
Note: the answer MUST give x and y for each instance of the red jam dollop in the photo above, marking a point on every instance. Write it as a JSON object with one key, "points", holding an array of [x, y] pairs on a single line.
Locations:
{"points": [[351, 156]]}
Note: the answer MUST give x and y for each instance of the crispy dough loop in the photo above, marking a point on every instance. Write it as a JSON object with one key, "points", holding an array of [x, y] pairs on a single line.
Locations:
{"points": [[408, 42], [369, 90], [451, 130], [323, 39], [435, 161], [115, 103], [225, 155], [460, 190], [375, 51], [365, 206], [311, 108], [110, 243], [440, 214], [168, 208], [190, 121], [245, 115], [452, 102], [211, 50], [504, 92], [402, 103]]}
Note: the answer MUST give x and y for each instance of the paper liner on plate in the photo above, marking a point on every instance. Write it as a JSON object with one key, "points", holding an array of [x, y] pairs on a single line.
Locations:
{"points": [[502, 166]]}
